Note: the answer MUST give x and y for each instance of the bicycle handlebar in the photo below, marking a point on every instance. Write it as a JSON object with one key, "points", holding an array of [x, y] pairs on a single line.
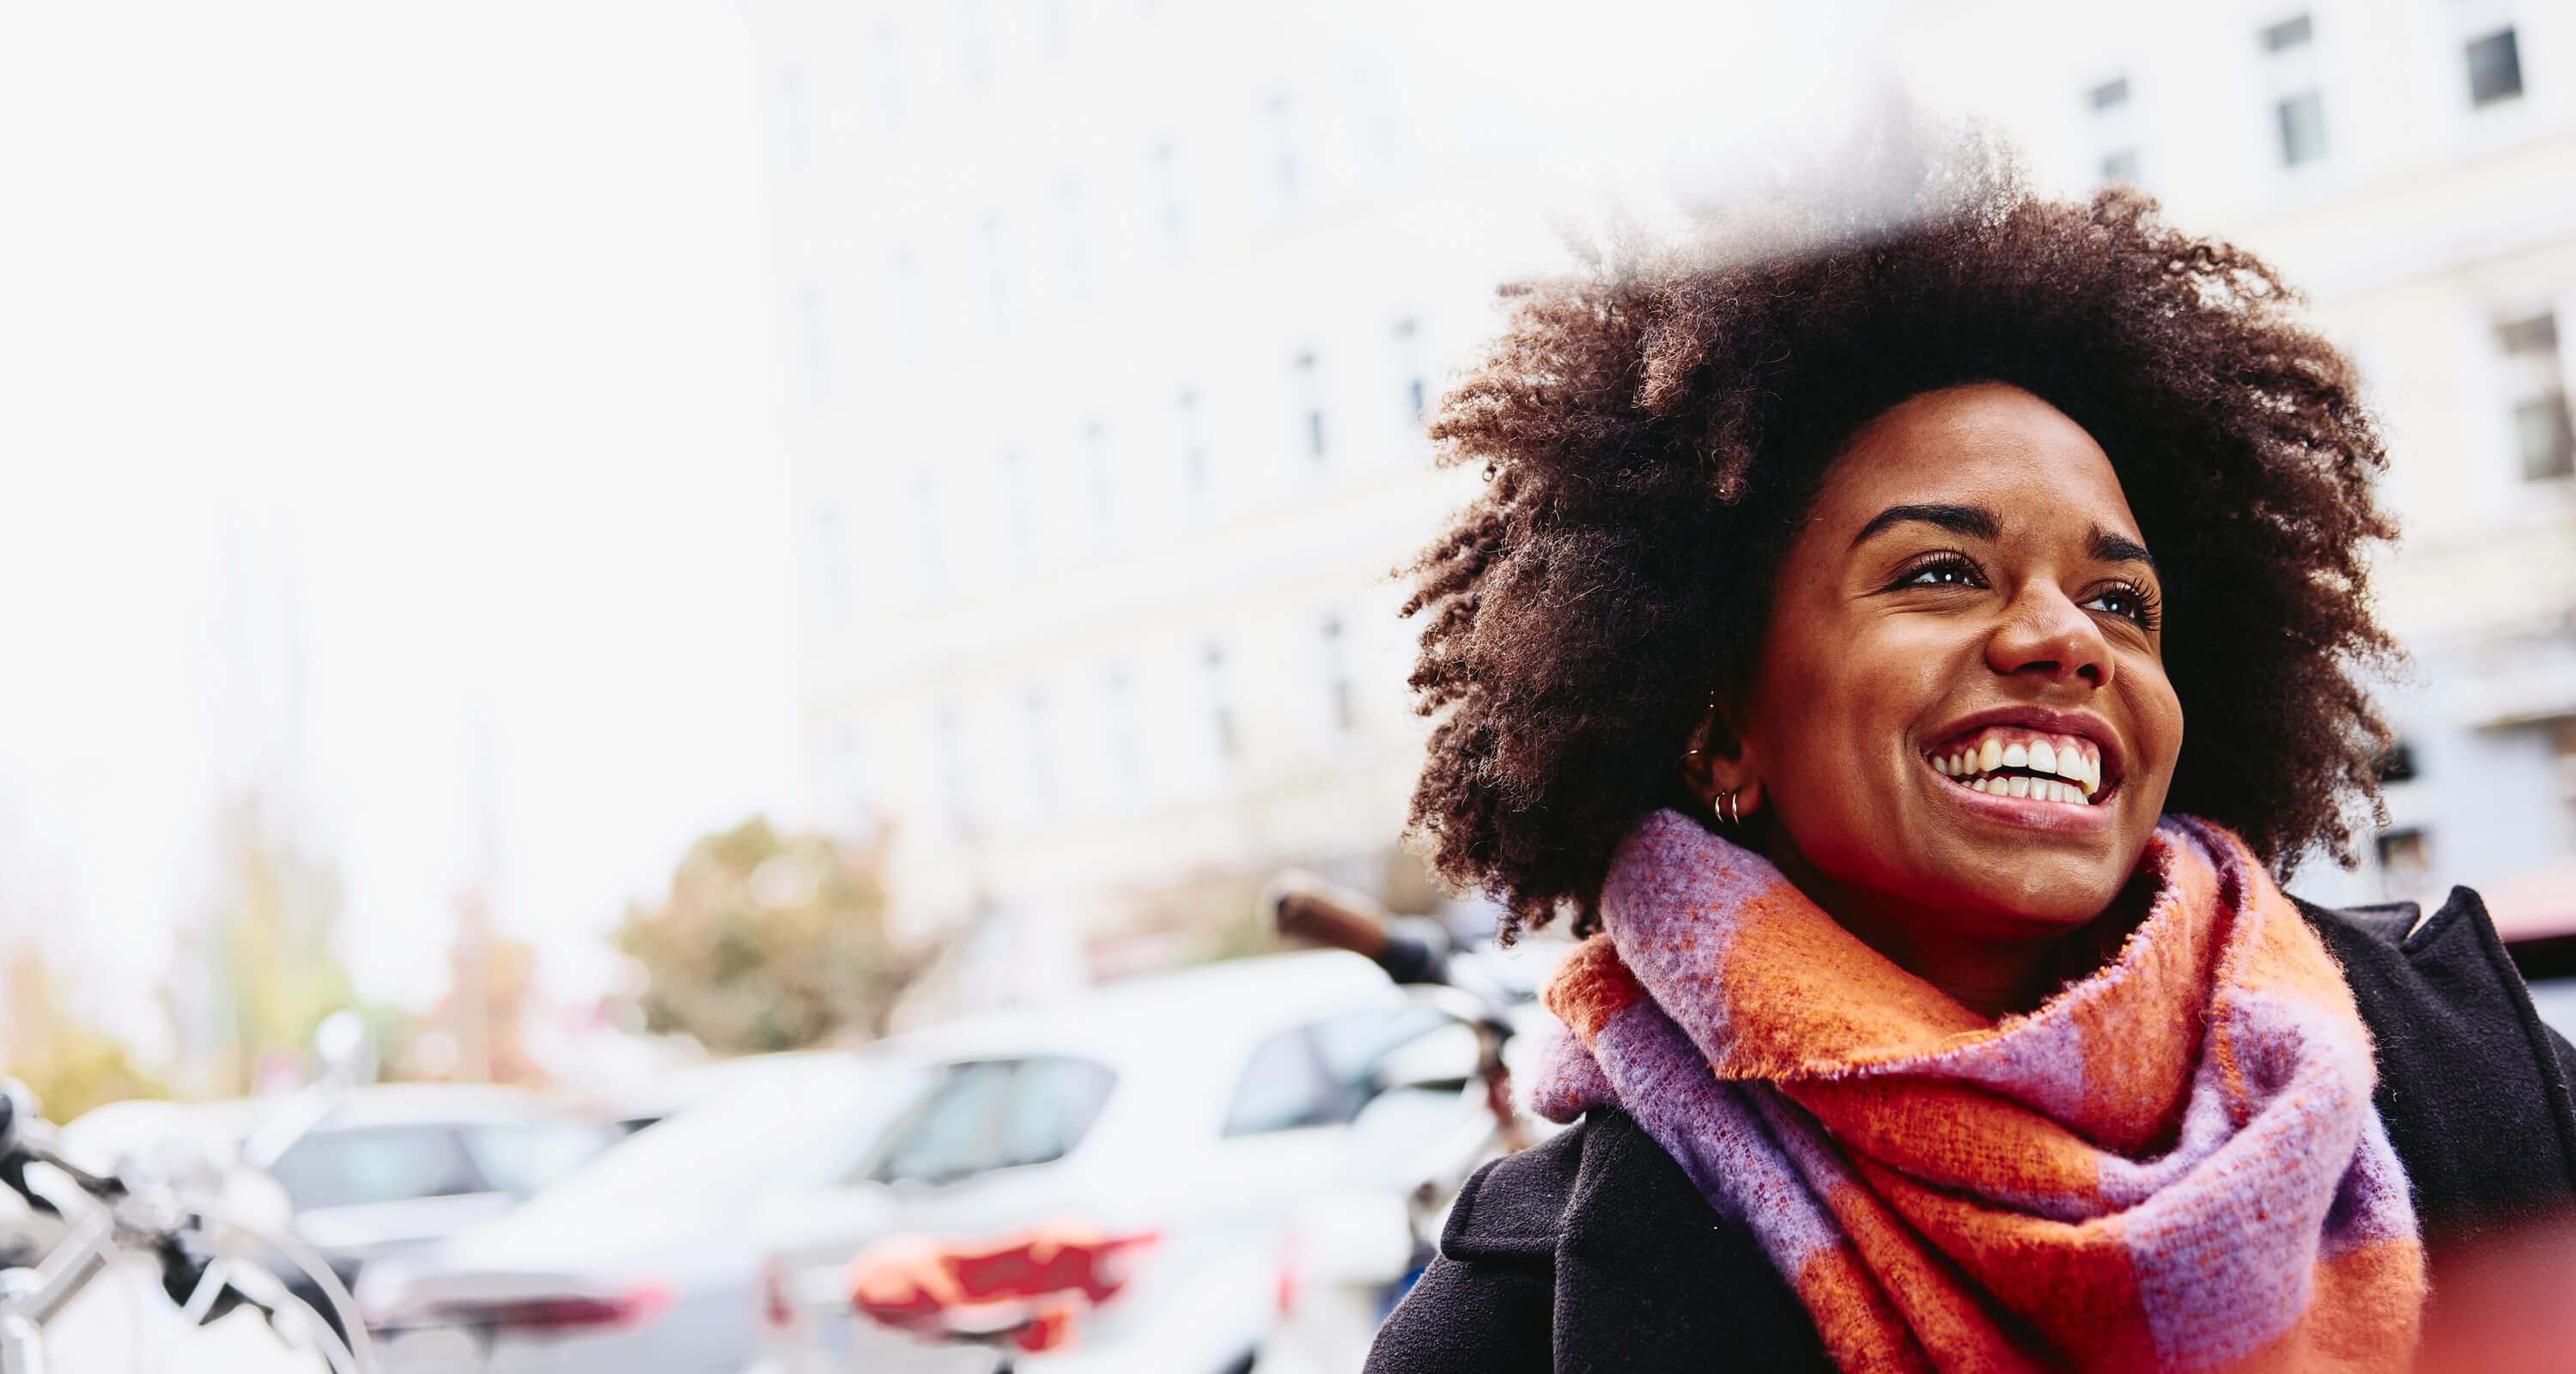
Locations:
{"points": [[179, 1239]]}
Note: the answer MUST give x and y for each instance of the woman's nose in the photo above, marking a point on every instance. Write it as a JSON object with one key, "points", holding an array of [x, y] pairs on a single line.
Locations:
{"points": [[2045, 633]]}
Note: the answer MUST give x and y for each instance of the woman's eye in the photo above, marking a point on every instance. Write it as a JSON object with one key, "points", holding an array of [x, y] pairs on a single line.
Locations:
{"points": [[1947, 573], [2120, 601]]}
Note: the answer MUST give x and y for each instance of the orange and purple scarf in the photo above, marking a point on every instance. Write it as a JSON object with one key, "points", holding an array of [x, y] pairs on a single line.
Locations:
{"points": [[2172, 1164]]}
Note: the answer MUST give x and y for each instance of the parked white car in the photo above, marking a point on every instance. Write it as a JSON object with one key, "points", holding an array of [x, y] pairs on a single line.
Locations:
{"points": [[644, 1261], [1208, 1109]]}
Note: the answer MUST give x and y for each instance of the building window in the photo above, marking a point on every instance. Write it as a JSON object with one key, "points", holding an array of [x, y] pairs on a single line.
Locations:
{"points": [[813, 343], [2113, 131], [2303, 129], [1055, 27], [885, 63], [795, 121], [2403, 853], [956, 783], [1190, 440], [974, 43], [993, 250], [1341, 708], [2396, 765], [929, 543], [903, 303], [2535, 383], [1019, 510], [2290, 34], [1099, 482], [1125, 736], [852, 803], [1163, 183], [833, 583], [1412, 386], [1287, 172], [2298, 99], [1073, 239], [2495, 68], [1037, 759], [1223, 734], [1306, 390]]}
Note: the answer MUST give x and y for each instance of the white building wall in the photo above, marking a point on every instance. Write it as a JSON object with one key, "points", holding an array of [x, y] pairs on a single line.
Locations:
{"points": [[1065, 629]]}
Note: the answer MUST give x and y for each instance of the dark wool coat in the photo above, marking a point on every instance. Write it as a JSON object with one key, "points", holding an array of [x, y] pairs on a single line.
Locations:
{"points": [[1593, 1252]]}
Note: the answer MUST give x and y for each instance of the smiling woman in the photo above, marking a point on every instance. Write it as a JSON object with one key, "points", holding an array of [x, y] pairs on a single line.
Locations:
{"points": [[1821, 647]]}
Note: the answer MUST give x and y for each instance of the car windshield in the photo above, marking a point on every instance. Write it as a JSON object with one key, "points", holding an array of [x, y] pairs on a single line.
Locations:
{"points": [[528, 1157], [357, 1166], [804, 1122]]}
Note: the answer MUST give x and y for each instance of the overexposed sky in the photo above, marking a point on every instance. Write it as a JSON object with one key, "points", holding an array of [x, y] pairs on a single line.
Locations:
{"points": [[437, 339], [405, 371]]}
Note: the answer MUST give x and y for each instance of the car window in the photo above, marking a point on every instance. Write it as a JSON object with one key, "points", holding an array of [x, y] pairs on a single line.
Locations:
{"points": [[1352, 1044], [527, 1157], [955, 1129], [806, 1126], [1053, 1103], [1322, 1073], [989, 1114], [1283, 1087], [354, 1166]]}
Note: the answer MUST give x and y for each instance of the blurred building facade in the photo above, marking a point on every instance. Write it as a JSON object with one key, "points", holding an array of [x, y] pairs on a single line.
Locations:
{"points": [[2410, 165], [1110, 328]]}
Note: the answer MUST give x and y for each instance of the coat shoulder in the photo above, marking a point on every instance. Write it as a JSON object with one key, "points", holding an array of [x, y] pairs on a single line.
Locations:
{"points": [[2474, 1090], [1515, 1206]]}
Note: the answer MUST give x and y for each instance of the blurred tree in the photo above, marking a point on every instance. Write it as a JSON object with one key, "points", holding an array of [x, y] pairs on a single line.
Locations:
{"points": [[767, 942], [71, 1065], [478, 1030], [253, 979]]}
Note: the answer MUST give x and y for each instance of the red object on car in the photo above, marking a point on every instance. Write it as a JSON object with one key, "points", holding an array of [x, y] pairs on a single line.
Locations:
{"points": [[1028, 1287]]}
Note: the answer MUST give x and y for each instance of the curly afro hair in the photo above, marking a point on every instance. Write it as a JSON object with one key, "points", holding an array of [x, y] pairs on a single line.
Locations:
{"points": [[1651, 432]]}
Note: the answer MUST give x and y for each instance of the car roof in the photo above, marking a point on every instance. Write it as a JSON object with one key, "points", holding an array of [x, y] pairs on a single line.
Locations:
{"points": [[393, 1104], [1223, 1007]]}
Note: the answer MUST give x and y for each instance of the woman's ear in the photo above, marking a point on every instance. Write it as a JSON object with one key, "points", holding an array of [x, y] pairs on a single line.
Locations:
{"points": [[1717, 762]]}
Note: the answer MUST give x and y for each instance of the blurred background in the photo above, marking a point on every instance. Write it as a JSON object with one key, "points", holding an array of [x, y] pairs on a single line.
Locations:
{"points": [[610, 537]]}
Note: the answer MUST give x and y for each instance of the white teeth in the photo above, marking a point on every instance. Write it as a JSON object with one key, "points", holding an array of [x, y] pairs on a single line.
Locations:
{"points": [[2021, 787], [2043, 758], [2015, 756], [2070, 762], [1991, 756], [1959, 765]]}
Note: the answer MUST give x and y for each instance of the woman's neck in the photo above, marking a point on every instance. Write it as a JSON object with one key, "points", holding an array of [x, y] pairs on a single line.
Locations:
{"points": [[1995, 966]]}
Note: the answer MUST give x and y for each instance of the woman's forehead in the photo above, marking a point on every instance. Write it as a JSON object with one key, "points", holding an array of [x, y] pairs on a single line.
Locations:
{"points": [[1986, 444]]}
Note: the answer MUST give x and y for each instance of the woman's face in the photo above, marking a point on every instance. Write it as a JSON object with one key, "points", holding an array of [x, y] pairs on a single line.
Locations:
{"points": [[1961, 705]]}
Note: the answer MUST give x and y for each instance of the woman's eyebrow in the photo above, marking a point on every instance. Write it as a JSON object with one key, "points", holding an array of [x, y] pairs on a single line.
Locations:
{"points": [[1976, 522], [2115, 548]]}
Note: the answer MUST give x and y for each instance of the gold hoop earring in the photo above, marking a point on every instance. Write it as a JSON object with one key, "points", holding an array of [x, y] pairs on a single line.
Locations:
{"points": [[1725, 808]]}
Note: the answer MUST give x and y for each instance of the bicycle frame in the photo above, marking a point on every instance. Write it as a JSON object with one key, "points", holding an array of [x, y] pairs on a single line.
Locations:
{"points": [[29, 1298]]}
